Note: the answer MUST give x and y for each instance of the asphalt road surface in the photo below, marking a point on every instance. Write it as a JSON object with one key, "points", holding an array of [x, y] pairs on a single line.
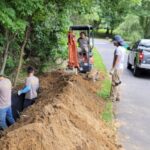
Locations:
{"points": [[133, 111]]}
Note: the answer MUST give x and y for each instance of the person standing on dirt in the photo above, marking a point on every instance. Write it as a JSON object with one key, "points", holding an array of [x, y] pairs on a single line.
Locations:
{"points": [[5, 102], [117, 70], [31, 88]]}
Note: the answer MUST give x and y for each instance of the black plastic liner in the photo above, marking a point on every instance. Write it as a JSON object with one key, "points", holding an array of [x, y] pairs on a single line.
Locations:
{"points": [[17, 104]]}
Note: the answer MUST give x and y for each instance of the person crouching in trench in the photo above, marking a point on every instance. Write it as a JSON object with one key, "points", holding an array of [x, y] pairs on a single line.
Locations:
{"points": [[30, 89]]}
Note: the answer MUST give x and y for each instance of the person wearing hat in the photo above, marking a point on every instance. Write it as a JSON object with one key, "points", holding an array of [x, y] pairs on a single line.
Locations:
{"points": [[117, 69], [31, 88], [121, 41], [5, 102]]}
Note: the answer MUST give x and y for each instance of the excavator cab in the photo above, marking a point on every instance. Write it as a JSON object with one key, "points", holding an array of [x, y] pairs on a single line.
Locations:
{"points": [[80, 57]]}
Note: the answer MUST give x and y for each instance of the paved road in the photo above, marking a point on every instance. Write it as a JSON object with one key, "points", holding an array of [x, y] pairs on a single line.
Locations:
{"points": [[133, 111]]}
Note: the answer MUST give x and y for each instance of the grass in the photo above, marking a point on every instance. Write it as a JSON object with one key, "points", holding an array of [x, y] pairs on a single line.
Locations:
{"points": [[107, 114], [98, 62], [104, 91]]}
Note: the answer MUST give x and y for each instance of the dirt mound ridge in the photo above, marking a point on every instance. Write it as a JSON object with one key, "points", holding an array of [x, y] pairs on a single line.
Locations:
{"points": [[65, 117]]}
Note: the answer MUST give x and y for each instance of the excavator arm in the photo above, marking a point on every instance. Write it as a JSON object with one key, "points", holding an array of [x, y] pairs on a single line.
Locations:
{"points": [[73, 52]]}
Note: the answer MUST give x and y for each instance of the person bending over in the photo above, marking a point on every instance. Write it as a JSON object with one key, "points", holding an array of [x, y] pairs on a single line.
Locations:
{"points": [[5, 102], [31, 88]]}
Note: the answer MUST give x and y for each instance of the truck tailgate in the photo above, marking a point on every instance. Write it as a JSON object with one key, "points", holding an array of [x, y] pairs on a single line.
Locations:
{"points": [[146, 56]]}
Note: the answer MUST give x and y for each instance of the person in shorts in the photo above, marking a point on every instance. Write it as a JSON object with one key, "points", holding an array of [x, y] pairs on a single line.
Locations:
{"points": [[117, 70]]}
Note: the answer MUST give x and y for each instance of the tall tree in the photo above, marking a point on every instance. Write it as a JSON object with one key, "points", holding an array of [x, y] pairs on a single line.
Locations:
{"points": [[142, 10], [49, 22], [10, 26], [113, 12]]}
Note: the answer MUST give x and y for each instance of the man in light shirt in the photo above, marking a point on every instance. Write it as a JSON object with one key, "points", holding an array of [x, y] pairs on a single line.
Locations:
{"points": [[30, 89], [83, 42], [117, 70], [5, 102]]}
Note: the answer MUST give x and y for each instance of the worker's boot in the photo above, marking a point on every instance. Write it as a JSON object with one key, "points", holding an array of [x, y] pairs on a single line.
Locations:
{"points": [[118, 99], [118, 83]]}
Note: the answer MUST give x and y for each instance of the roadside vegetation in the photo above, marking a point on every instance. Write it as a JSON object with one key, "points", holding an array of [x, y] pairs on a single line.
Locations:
{"points": [[35, 32], [104, 92], [105, 88], [130, 19]]}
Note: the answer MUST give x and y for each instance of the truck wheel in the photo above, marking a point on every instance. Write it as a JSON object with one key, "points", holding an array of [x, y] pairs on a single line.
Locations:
{"points": [[129, 66], [136, 71]]}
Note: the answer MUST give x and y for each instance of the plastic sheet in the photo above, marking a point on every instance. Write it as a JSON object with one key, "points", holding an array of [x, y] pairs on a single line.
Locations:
{"points": [[17, 104]]}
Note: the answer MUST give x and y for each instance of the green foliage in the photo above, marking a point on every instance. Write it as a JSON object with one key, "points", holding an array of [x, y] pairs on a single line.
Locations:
{"points": [[136, 24], [114, 11], [26, 7], [98, 62], [10, 64], [104, 91], [49, 22], [142, 10], [131, 28], [90, 17], [107, 114], [9, 19]]}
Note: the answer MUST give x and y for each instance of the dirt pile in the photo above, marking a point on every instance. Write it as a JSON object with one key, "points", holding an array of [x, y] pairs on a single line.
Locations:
{"points": [[65, 117]]}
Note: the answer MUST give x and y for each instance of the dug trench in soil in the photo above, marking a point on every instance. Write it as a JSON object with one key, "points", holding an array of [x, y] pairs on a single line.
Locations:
{"points": [[66, 116]]}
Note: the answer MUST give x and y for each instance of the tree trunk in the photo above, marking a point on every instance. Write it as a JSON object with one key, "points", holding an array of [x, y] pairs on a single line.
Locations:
{"points": [[111, 32], [6, 49], [5, 57], [22, 54], [107, 32]]}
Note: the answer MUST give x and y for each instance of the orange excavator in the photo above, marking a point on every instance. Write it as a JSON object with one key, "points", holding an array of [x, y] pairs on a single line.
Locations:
{"points": [[79, 58]]}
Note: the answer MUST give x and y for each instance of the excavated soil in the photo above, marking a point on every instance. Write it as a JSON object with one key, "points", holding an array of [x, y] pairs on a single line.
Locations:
{"points": [[66, 116]]}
